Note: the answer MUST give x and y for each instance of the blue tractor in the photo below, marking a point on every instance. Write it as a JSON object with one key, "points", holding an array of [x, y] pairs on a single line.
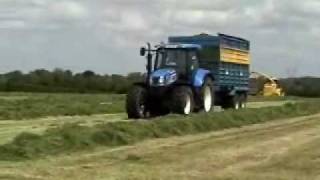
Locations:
{"points": [[191, 74]]}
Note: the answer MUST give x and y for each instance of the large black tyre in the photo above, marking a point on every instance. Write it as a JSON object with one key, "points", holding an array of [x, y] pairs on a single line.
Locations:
{"points": [[207, 95], [182, 100], [136, 103], [231, 102], [243, 101]]}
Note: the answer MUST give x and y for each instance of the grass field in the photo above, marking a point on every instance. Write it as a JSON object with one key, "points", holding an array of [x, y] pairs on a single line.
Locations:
{"points": [[24, 120], [284, 149], [16, 106], [19, 106]]}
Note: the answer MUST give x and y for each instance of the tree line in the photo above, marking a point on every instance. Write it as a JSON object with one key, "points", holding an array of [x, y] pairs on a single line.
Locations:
{"points": [[60, 80], [303, 86]]}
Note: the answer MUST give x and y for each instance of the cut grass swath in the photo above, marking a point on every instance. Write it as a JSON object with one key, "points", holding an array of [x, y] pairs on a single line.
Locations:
{"points": [[73, 137]]}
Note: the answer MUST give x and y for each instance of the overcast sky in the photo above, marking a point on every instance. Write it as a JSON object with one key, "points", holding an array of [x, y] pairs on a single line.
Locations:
{"points": [[105, 35]]}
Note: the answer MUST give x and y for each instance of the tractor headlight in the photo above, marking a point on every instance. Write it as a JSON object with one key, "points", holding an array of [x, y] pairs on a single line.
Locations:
{"points": [[161, 80], [171, 79]]}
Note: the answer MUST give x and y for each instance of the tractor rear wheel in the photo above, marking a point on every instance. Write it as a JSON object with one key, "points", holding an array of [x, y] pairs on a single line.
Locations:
{"points": [[207, 95], [136, 103], [183, 102]]}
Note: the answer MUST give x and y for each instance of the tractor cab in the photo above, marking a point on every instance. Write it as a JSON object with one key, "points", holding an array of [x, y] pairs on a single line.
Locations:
{"points": [[174, 62]]}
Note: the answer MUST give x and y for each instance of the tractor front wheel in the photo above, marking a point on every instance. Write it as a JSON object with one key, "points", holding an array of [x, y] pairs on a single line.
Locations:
{"points": [[136, 103]]}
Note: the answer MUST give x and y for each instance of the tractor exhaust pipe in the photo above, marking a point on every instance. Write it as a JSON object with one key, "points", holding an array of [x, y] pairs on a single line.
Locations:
{"points": [[143, 52], [149, 64]]}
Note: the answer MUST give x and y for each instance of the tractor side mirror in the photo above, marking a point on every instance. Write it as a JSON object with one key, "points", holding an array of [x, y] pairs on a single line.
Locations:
{"points": [[142, 51]]}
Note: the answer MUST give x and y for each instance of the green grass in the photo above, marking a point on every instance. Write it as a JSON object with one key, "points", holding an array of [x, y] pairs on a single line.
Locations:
{"points": [[15, 106], [273, 98], [74, 137], [301, 161]]}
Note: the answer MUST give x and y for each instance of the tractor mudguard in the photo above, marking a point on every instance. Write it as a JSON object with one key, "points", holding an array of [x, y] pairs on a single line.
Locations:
{"points": [[199, 77]]}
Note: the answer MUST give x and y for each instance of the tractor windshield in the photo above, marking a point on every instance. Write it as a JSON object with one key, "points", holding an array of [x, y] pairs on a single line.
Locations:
{"points": [[171, 58]]}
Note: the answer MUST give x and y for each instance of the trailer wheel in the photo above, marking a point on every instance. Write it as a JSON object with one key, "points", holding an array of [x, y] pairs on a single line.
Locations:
{"points": [[236, 103], [183, 102], [207, 95], [232, 102], [136, 103], [243, 101]]}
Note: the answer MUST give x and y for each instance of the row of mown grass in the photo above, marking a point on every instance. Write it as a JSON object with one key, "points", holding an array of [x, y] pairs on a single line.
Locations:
{"points": [[16, 106], [73, 137]]}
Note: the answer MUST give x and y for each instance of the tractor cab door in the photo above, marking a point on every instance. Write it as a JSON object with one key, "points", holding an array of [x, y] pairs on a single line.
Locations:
{"points": [[192, 63]]}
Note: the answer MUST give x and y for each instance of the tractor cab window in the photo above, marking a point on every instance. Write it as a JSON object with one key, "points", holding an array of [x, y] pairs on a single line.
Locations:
{"points": [[171, 58], [184, 61]]}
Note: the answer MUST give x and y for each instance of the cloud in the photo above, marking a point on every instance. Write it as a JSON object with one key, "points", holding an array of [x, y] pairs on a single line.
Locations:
{"points": [[37, 14], [12, 24], [70, 10], [127, 21], [105, 35]]}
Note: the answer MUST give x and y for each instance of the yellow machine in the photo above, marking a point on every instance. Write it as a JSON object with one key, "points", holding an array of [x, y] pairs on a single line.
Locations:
{"points": [[271, 87]]}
